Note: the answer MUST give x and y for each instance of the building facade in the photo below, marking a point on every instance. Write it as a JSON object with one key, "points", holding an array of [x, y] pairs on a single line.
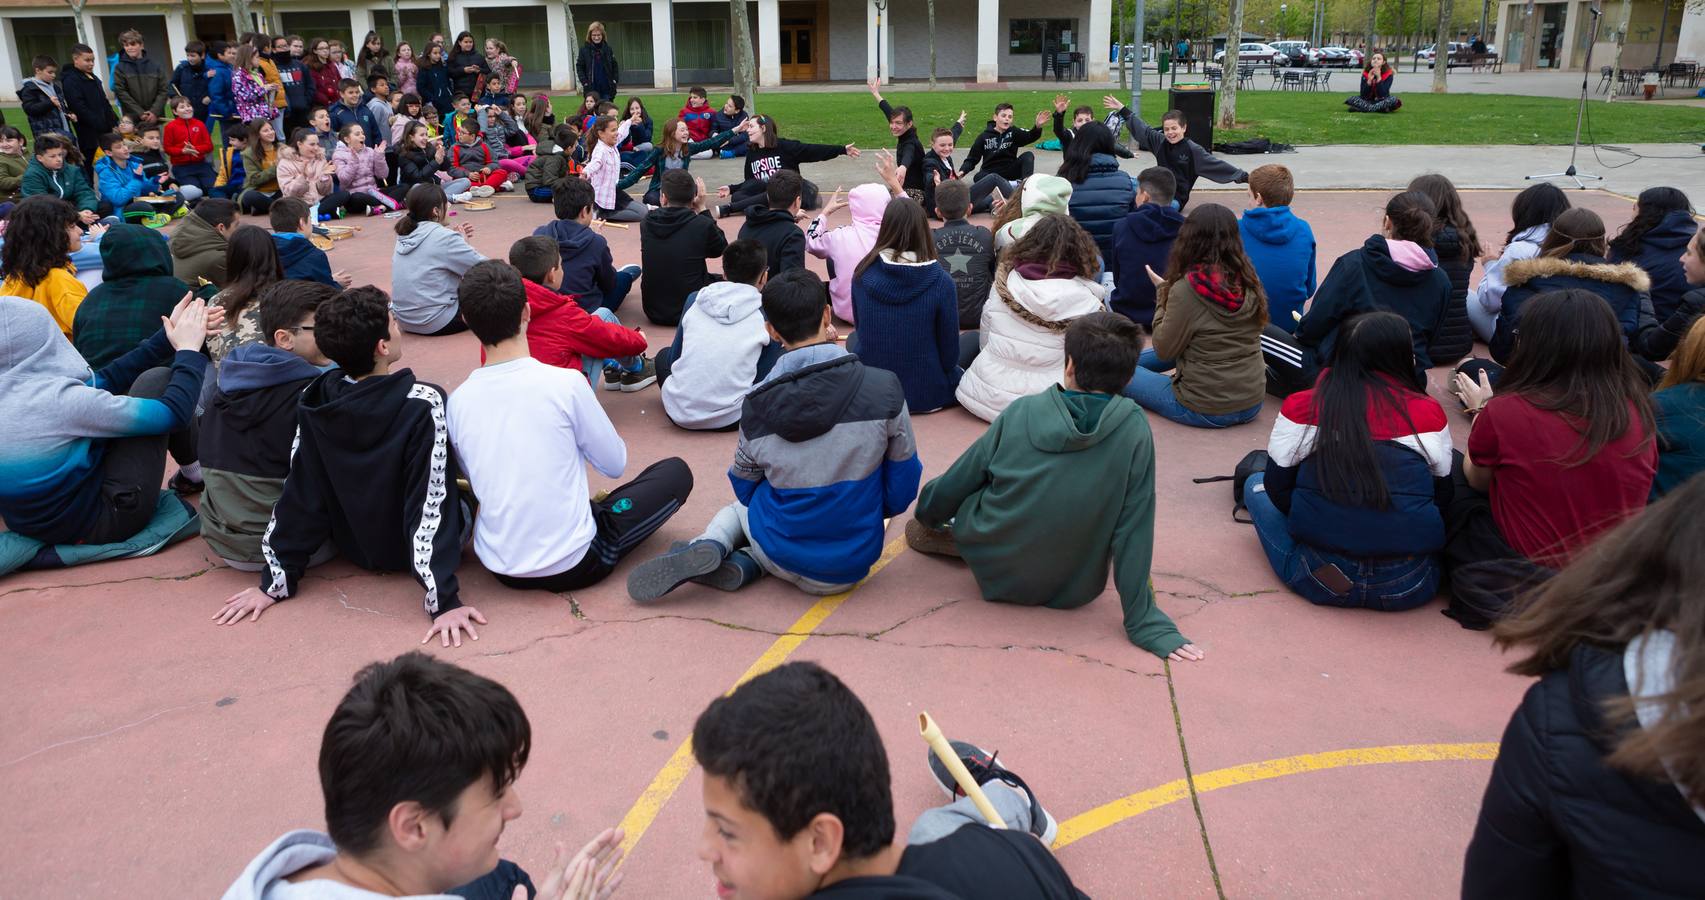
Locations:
{"points": [[660, 44], [1556, 35]]}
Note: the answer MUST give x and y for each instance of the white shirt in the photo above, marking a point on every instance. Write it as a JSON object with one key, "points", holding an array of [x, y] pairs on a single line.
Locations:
{"points": [[524, 432]]}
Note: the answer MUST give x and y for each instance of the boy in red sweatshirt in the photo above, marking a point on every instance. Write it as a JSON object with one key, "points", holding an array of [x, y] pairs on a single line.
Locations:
{"points": [[189, 146], [697, 114], [560, 333]]}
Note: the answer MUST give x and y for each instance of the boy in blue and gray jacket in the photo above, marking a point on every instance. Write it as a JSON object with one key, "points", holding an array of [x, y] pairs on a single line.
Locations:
{"points": [[826, 453]]}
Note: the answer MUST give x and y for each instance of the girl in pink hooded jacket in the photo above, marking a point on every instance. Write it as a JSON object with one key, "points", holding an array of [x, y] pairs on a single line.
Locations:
{"points": [[360, 168], [843, 247]]}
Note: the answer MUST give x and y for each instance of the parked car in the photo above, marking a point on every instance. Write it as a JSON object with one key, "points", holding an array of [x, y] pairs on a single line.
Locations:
{"points": [[1299, 53], [1341, 57], [1256, 54], [1459, 53]]}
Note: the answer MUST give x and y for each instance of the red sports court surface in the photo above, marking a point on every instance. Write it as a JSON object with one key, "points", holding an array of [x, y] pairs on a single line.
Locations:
{"points": [[150, 753]]}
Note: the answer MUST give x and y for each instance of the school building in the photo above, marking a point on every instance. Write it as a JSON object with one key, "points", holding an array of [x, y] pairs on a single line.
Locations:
{"points": [[659, 44], [1556, 34]]}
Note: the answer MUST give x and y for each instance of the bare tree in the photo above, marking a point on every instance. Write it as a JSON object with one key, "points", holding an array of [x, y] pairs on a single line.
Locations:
{"points": [[1441, 48], [269, 20], [396, 24], [744, 84], [77, 16], [1228, 77], [573, 42], [1373, 25], [189, 18], [240, 15], [444, 23], [932, 45]]}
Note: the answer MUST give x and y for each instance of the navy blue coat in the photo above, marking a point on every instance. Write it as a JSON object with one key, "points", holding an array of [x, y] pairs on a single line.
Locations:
{"points": [[1659, 254], [1143, 238], [1368, 279], [1623, 285], [1101, 200]]}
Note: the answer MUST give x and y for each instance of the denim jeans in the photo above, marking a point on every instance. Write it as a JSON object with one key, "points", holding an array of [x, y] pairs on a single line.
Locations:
{"points": [[1388, 585], [1151, 361], [1153, 392], [592, 366]]}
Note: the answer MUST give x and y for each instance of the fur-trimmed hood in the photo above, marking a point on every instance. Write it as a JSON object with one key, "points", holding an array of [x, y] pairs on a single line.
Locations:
{"points": [[1578, 265]]}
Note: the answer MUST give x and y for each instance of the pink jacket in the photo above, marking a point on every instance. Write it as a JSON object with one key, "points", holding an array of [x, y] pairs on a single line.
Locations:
{"points": [[360, 173], [845, 247], [304, 179], [605, 167]]}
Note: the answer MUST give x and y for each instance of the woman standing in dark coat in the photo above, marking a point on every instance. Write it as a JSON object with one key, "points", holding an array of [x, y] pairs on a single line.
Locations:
{"points": [[467, 67], [597, 66], [1599, 787]]}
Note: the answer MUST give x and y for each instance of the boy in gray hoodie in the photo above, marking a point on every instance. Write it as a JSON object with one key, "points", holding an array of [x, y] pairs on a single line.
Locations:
{"points": [[721, 348], [427, 826]]}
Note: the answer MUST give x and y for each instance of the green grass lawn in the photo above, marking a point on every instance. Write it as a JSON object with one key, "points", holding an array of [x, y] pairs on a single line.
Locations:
{"points": [[1285, 116]]}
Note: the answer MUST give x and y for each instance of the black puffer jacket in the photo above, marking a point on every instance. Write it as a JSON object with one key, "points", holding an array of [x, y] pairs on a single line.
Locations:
{"points": [[1454, 339], [1557, 822], [1101, 200]]}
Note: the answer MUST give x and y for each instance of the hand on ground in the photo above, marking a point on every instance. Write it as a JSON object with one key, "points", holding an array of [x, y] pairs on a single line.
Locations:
{"points": [[251, 603], [343, 279], [1186, 653], [450, 625]]}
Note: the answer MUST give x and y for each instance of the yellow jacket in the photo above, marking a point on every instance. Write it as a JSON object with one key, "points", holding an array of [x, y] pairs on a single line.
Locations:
{"points": [[60, 292]]}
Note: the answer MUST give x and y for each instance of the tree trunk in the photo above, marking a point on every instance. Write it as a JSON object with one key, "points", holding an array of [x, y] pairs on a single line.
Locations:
{"points": [[396, 24], [1228, 74], [269, 18], [189, 19], [932, 45], [1119, 42], [444, 25], [1441, 49], [240, 16], [744, 82], [77, 16], [1373, 26], [573, 41]]}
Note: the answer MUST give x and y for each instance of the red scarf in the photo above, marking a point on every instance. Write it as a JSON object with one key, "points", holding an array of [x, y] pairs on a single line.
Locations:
{"points": [[1215, 286]]}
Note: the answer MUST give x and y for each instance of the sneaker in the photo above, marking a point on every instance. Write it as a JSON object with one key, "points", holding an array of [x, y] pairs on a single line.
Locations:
{"points": [[639, 381], [935, 541], [613, 378], [984, 768], [728, 154], [483, 191], [157, 220], [655, 577], [636, 270], [718, 211], [321, 231], [463, 197], [185, 485], [181, 211], [506, 186], [739, 569]]}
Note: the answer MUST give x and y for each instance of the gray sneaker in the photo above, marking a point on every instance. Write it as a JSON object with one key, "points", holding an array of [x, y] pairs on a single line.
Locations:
{"points": [[658, 576], [638, 381], [483, 191]]}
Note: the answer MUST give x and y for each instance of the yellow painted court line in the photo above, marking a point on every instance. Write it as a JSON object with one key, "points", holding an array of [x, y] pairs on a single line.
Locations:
{"points": [[1108, 814], [657, 794]]}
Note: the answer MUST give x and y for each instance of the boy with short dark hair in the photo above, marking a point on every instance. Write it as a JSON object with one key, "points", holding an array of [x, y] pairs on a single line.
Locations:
{"points": [[49, 173], [1142, 241], [776, 224], [525, 432], [349, 110], [675, 239], [721, 348], [966, 251], [728, 118], [372, 472], [1186, 158], [1081, 116], [86, 103], [417, 772], [123, 182], [199, 244], [12, 166], [559, 332], [979, 510], [826, 454], [787, 824], [250, 423], [997, 148], [189, 148], [698, 115], [189, 79], [1279, 244], [43, 106], [548, 169], [472, 157], [291, 229], [589, 274]]}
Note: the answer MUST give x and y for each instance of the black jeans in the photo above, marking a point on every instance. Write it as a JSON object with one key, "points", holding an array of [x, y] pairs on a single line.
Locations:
{"points": [[349, 204], [133, 467], [630, 514]]}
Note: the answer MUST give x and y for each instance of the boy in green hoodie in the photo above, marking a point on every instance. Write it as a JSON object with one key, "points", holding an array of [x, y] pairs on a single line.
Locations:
{"points": [[12, 165], [1021, 485]]}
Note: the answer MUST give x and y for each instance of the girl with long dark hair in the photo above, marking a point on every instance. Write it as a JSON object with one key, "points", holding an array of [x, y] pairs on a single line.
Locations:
{"points": [[1043, 283], [372, 59], [1457, 246], [1395, 270], [1102, 195], [1533, 211], [768, 154], [1349, 510], [1654, 240], [251, 266], [467, 65], [1208, 318], [322, 72], [1562, 452], [1599, 786], [1375, 94], [908, 309], [433, 80], [674, 149]]}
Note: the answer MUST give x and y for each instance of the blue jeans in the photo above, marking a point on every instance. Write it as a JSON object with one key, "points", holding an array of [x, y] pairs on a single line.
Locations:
{"points": [[592, 366], [1388, 585], [1151, 361], [625, 277], [1153, 392]]}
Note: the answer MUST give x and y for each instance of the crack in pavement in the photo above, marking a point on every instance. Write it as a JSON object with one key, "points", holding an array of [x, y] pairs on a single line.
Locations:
{"points": [[48, 587], [1190, 780]]}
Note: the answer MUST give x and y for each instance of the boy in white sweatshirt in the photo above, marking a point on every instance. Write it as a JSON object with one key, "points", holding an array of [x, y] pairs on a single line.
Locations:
{"points": [[721, 348]]}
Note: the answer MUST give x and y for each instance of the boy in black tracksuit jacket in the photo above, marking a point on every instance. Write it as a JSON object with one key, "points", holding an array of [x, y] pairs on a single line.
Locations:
{"points": [[1185, 158], [997, 148], [776, 225], [675, 239], [908, 150]]}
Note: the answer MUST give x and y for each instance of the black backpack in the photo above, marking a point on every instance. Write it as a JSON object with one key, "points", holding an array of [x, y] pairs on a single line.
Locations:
{"points": [[1254, 462]]}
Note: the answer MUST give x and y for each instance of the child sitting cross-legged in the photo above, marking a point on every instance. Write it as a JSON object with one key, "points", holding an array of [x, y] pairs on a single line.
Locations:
{"points": [[249, 426], [538, 526], [1021, 485], [721, 348], [826, 454], [776, 224], [300, 259], [559, 332], [472, 158], [589, 274], [674, 241], [548, 168], [360, 168]]}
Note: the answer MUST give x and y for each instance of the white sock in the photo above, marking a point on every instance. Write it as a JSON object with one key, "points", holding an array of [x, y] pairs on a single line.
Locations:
{"points": [[192, 471]]}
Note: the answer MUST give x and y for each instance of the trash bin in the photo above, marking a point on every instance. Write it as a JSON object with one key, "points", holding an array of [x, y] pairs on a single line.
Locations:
{"points": [[1196, 102], [1161, 64]]}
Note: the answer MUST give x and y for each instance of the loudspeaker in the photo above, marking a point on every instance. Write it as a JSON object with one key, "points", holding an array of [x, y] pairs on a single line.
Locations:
{"points": [[1197, 104]]}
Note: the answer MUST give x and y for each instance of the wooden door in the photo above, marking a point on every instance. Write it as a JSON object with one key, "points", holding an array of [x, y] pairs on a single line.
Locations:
{"points": [[799, 50]]}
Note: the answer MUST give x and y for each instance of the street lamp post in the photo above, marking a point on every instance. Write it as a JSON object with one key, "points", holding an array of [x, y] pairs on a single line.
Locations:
{"points": [[1282, 8]]}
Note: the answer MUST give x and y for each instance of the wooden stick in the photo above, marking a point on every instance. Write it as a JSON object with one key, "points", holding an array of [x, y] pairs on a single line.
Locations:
{"points": [[944, 752], [602, 223]]}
